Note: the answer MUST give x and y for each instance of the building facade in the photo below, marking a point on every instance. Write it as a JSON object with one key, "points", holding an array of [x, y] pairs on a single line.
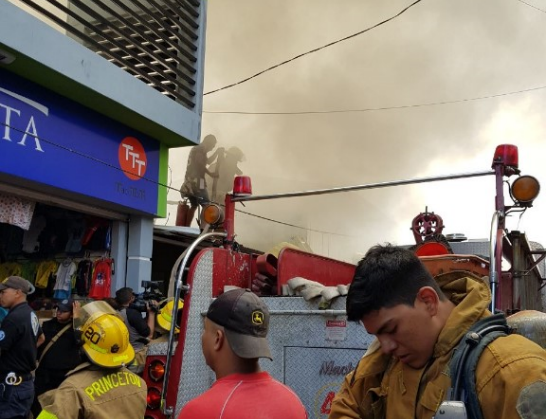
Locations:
{"points": [[92, 97]]}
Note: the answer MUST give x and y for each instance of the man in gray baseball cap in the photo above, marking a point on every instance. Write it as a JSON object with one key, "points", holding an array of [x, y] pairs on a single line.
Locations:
{"points": [[233, 340], [17, 283], [245, 319]]}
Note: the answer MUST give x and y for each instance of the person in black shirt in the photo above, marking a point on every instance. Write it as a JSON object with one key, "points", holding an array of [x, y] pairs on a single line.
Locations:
{"points": [[18, 346], [60, 352], [141, 330]]}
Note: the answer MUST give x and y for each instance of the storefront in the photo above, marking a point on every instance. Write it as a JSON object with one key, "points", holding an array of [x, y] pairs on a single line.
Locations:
{"points": [[78, 194]]}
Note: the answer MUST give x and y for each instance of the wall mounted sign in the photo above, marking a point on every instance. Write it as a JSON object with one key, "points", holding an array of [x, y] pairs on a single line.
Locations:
{"points": [[51, 140]]}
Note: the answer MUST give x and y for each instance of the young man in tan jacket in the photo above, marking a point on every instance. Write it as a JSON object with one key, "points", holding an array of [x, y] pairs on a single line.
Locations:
{"points": [[418, 322]]}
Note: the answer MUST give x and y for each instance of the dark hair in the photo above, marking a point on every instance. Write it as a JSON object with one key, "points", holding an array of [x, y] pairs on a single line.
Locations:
{"points": [[113, 303], [124, 295], [385, 277]]}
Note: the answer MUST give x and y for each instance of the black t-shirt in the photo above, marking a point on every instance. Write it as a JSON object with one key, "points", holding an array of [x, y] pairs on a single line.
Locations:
{"points": [[135, 319], [18, 335], [64, 354]]}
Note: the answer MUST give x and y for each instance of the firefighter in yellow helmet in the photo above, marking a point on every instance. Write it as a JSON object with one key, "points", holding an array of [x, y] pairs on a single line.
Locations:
{"points": [[164, 320], [103, 387]]}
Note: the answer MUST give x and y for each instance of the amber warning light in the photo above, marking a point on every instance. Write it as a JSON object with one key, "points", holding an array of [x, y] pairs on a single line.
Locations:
{"points": [[212, 214], [507, 155], [242, 186], [524, 190]]}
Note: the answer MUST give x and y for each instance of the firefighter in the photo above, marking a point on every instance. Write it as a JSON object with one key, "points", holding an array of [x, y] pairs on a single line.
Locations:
{"points": [[164, 319], [418, 321], [227, 167], [103, 387], [234, 338], [194, 187]]}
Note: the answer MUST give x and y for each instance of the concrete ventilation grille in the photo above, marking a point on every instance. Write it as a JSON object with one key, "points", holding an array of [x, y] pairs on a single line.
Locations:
{"points": [[156, 41]]}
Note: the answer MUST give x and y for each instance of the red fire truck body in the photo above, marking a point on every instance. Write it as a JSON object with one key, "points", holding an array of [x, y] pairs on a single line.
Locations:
{"points": [[312, 344]]}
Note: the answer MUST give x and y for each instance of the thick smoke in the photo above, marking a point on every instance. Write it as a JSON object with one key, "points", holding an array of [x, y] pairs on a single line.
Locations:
{"points": [[438, 51]]}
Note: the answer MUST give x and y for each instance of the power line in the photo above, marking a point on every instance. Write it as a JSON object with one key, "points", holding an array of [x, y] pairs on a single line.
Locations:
{"points": [[534, 7], [384, 108], [169, 187], [313, 50], [295, 226]]}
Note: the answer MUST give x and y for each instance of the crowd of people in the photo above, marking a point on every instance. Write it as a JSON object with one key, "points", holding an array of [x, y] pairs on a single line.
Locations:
{"points": [[71, 366], [419, 322]]}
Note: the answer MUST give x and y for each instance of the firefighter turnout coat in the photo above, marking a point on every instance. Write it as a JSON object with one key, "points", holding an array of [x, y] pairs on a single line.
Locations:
{"points": [[98, 393], [510, 376]]}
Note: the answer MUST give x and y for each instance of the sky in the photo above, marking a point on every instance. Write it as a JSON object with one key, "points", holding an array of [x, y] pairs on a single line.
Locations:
{"points": [[465, 56]]}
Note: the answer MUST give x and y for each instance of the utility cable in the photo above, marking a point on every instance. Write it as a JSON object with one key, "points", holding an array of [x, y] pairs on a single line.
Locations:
{"points": [[312, 51], [534, 7], [295, 226], [169, 187], [384, 108]]}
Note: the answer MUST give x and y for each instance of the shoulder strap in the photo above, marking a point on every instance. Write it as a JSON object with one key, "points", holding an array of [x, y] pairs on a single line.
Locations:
{"points": [[53, 340], [465, 360]]}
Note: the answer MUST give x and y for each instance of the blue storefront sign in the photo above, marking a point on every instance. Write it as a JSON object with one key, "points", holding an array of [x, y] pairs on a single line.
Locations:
{"points": [[51, 140]]}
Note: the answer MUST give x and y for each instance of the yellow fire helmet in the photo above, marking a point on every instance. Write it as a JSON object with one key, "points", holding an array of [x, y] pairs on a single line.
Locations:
{"points": [[164, 318], [106, 341]]}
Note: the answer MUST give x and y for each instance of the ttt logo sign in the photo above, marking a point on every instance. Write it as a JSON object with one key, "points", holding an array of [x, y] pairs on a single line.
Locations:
{"points": [[132, 158]]}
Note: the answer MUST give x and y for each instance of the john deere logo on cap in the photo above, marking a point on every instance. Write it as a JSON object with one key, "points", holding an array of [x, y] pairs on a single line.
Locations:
{"points": [[257, 317]]}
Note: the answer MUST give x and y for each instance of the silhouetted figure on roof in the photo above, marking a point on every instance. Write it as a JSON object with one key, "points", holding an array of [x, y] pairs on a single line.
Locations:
{"points": [[194, 188], [227, 168]]}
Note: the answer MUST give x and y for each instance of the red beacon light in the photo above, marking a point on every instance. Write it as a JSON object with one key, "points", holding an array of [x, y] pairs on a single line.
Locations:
{"points": [[242, 186], [506, 155]]}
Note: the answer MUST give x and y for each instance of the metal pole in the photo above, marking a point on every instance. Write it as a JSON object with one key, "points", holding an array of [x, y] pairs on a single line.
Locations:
{"points": [[493, 239], [178, 287], [360, 187]]}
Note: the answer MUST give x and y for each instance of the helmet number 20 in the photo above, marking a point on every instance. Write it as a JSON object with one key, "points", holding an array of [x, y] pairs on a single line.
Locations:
{"points": [[91, 335]]}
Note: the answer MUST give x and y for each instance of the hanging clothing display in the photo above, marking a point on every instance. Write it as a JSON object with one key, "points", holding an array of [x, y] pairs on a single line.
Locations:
{"points": [[30, 238], [28, 270], [102, 278], [76, 230], [83, 277], [10, 269], [63, 283], [43, 271], [59, 250], [16, 211]]}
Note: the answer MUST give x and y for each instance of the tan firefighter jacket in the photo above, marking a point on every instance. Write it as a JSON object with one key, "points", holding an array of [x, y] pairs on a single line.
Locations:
{"points": [[511, 372], [90, 392]]}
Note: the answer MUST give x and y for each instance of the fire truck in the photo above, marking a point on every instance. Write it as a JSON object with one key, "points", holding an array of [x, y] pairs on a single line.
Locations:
{"points": [[312, 344]]}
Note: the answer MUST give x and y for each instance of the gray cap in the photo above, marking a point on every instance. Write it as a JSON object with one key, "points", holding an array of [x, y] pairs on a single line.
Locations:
{"points": [[245, 319], [17, 283]]}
